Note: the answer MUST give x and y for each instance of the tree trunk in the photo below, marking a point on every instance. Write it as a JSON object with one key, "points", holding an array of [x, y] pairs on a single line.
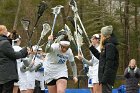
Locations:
{"points": [[137, 32], [110, 7], [81, 9], [16, 16], [99, 2], [63, 16], [126, 32], [121, 19]]}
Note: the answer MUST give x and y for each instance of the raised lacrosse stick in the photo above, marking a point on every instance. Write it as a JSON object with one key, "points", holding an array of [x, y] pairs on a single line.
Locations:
{"points": [[79, 41], [76, 16], [56, 11], [79, 44], [42, 7], [46, 29], [59, 37], [70, 36], [26, 23], [73, 5]]}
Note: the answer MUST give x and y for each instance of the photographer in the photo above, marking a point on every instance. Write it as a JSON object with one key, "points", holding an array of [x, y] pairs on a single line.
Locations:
{"points": [[132, 75]]}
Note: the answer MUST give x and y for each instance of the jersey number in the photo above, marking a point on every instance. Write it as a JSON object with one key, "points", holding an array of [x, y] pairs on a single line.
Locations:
{"points": [[61, 61]]}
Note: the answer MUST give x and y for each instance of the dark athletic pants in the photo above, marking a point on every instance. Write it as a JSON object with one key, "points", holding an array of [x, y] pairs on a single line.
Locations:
{"points": [[106, 88], [7, 87]]}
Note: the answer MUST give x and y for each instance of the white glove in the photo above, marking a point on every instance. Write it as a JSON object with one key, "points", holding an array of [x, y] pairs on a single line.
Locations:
{"points": [[135, 69], [129, 69]]}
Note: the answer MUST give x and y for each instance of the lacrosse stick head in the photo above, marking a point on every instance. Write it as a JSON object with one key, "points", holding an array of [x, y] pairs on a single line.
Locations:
{"points": [[68, 31], [59, 38], [46, 29], [61, 32], [25, 23], [41, 8], [79, 39], [73, 4], [56, 10]]}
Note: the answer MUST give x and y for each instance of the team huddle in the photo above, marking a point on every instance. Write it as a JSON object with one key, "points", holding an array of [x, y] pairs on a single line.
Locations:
{"points": [[37, 68]]}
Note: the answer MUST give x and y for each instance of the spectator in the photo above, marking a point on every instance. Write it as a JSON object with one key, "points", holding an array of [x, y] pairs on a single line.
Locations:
{"points": [[93, 81], [132, 75]]}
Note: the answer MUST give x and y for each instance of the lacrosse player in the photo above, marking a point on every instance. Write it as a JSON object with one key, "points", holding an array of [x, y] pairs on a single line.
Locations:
{"points": [[92, 74], [39, 72], [55, 68]]}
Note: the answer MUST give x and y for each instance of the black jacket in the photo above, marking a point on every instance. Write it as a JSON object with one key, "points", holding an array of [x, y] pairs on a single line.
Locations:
{"points": [[8, 64], [108, 61], [132, 79]]}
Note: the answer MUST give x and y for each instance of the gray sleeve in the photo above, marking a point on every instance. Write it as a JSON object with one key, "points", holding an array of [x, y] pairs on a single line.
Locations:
{"points": [[85, 61], [48, 46], [74, 68]]}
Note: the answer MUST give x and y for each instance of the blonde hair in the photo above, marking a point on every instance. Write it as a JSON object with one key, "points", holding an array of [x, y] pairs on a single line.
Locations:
{"points": [[2, 28], [132, 61], [102, 40]]}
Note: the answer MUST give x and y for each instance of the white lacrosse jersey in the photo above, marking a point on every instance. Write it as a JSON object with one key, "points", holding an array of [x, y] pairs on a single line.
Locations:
{"points": [[17, 48], [38, 74], [93, 70], [55, 62]]}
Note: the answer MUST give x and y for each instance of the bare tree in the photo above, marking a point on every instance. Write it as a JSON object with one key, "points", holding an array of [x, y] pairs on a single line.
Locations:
{"points": [[136, 28], [16, 16], [121, 19], [126, 32]]}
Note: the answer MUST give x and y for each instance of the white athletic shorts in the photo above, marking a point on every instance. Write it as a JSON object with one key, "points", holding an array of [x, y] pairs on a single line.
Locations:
{"points": [[40, 77], [42, 85], [22, 80], [30, 80], [16, 84], [23, 86], [92, 81]]}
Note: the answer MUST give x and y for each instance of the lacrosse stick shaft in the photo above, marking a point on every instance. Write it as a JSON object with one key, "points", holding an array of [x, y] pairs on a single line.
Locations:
{"points": [[41, 9], [37, 49], [34, 27], [28, 34], [34, 57], [30, 37], [83, 28], [54, 21], [75, 21]]}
